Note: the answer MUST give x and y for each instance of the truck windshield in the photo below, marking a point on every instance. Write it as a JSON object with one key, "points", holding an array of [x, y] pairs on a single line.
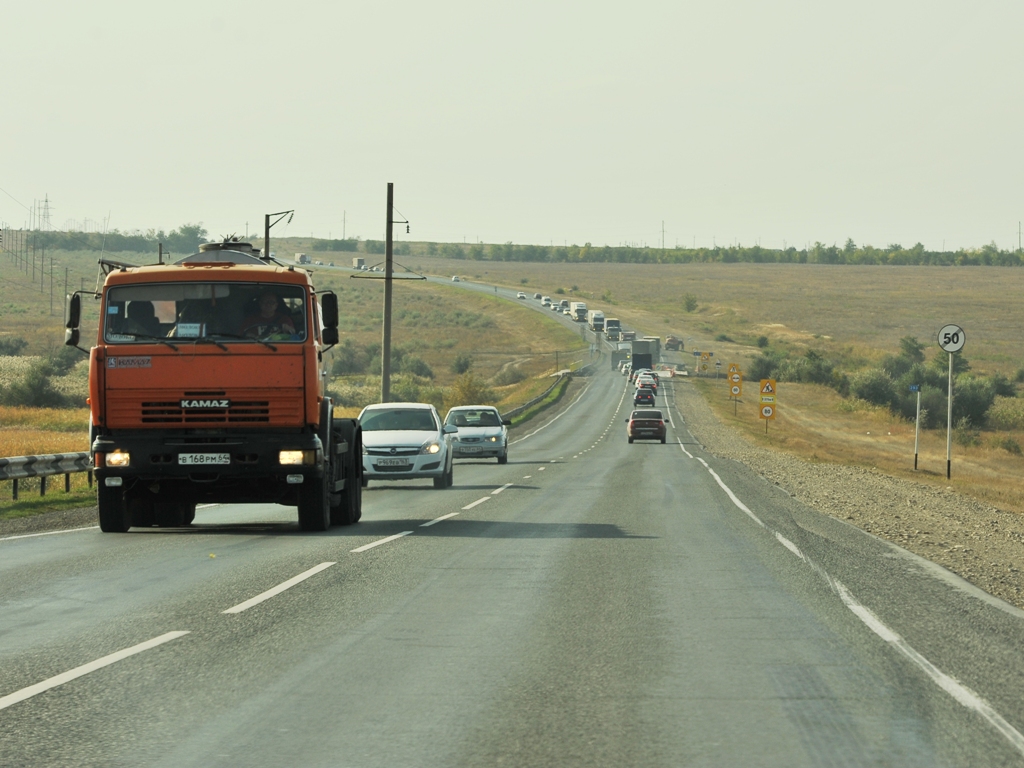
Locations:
{"points": [[232, 312]]}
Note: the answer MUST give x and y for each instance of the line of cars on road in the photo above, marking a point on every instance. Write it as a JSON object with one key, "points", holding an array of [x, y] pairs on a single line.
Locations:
{"points": [[409, 441], [646, 422]]}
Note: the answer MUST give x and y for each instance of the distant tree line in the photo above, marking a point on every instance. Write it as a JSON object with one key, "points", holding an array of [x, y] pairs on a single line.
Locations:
{"points": [[183, 240], [819, 253]]}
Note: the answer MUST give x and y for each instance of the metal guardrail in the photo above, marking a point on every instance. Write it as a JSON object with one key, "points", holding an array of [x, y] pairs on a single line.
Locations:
{"points": [[16, 468]]}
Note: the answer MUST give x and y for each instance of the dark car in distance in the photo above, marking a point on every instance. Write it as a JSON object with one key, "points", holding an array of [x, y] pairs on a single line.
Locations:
{"points": [[646, 425], [643, 396]]}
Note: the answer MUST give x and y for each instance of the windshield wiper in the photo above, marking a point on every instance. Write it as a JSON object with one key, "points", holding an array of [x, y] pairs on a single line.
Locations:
{"points": [[246, 338], [208, 340], [161, 339]]}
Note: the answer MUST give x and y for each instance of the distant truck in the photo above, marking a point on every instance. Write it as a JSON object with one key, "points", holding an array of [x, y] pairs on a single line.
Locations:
{"points": [[358, 262], [301, 258], [563, 304], [578, 310], [595, 319], [627, 336], [655, 346], [644, 353], [612, 328], [673, 343]]}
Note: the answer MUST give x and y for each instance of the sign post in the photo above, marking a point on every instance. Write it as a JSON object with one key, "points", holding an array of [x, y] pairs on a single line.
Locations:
{"points": [[735, 386], [768, 393], [917, 422], [951, 340]]}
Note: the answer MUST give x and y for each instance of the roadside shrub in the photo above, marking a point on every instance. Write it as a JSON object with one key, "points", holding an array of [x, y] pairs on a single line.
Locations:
{"points": [[964, 434], [34, 389], [875, 387], [971, 399], [415, 366], [462, 363], [469, 389], [12, 347], [1006, 413], [690, 302], [510, 374], [560, 291], [764, 367], [1008, 444], [762, 342], [722, 337]]}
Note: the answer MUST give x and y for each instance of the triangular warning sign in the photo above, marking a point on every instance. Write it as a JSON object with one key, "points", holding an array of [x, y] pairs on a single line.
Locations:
{"points": [[767, 389]]}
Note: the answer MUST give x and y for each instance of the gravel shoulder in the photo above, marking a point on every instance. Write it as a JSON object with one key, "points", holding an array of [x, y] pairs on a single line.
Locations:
{"points": [[983, 545]]}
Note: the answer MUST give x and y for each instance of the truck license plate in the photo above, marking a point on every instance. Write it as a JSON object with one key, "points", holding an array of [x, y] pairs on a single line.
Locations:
{"points": [[204, 458], [392, 462]]}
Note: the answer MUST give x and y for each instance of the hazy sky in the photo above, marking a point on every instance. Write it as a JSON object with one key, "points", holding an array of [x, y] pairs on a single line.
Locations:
{"points": [[539, 122]]}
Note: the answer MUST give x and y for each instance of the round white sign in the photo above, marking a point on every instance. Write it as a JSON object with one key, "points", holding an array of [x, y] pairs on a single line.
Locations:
{"points": [[951, 338], [767, 411], [735, 390]]}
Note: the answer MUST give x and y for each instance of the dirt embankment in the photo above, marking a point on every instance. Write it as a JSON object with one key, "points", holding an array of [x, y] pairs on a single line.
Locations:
{"points": [[982, 544]]}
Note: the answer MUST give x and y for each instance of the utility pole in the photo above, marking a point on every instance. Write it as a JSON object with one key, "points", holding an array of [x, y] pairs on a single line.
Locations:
{"points": [[663, 234], [385, 347], [344, 214]]}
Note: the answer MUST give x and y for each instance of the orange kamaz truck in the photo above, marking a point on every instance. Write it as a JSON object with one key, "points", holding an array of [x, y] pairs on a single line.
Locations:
{"points": [[206, 385]]}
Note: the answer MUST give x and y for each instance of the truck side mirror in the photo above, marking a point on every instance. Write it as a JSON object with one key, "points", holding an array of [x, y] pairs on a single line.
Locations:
{"points": [[74, 317], [329, 310], [74, 313]]}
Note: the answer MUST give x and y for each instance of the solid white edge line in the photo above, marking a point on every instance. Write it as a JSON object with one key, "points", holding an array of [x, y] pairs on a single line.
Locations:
{"points": [[92, 666], [478, 501], [48, 533], [278, 589], [959, 692], [381, 541], [438, 519], [496, 491]]}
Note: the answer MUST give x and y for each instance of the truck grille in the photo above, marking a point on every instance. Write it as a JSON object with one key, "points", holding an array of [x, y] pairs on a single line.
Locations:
{"points": [[255, 411], [127, 409]]}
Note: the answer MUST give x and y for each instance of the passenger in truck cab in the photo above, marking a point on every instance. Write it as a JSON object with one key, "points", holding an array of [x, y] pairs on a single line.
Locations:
{"points": [[269, 317]]}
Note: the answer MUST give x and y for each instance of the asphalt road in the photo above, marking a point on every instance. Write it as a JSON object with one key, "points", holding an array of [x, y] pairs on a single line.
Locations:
{"points": [[591, 603]]}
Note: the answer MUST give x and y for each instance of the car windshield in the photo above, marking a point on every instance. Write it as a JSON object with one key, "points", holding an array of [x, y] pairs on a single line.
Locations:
{"points": [[232, 312], [398, 419], [482, 418]]}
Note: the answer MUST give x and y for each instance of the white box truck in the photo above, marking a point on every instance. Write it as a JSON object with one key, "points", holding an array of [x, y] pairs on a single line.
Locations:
{"points": [[595, 319]]}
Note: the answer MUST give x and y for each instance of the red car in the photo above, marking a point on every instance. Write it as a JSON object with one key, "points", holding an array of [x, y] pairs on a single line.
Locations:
{"points": [[646, 425]]}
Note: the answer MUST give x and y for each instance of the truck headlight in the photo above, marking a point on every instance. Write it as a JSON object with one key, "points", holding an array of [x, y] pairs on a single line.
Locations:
{"points": [[431, 447], [297, 457], [117, 458]]}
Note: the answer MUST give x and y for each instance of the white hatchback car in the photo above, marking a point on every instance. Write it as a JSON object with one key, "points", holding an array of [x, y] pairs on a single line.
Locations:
{"points": [[406, 441], [481, 432]]}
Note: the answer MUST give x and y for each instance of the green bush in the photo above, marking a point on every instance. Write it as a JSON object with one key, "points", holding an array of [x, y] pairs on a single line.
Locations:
{"points": [[875, 387], [1008, 444], [690, 302], [462, 363], [762, 342], [12, 347], [510, 374], [34, 389]]}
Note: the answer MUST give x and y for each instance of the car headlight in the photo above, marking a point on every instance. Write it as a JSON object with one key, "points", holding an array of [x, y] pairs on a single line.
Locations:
{"points": [[431, 447], [493, 438], [118, 458]]}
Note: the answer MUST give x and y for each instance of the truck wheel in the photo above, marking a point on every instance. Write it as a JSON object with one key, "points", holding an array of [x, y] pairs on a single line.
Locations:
{"points": [[351, 507], [314, 506], [113, 509]]}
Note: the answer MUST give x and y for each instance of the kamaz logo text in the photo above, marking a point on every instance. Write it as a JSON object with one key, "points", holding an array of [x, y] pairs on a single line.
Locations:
{"points": [[205, 403]]}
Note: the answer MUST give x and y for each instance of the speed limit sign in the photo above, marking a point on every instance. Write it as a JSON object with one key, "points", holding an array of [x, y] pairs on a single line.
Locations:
{"points": [[951, 338], [767, 411], [736, 390]]}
